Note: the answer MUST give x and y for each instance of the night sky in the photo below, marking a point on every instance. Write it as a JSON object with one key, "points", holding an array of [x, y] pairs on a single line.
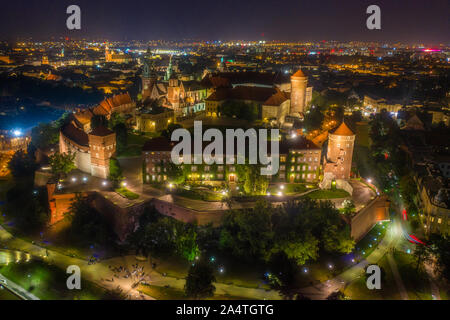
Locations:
{"points": [[402, 20]]}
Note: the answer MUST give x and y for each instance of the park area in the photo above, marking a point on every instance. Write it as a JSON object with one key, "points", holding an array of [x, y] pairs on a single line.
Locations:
{"points": [[48, 282]]}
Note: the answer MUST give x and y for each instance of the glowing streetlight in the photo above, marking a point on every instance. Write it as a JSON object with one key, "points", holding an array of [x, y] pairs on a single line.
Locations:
{"points": [[221, 269], [104, 183], [330, 266], [369, 180]]}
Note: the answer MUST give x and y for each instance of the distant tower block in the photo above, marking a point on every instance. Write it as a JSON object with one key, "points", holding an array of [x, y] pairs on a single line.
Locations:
{"points": [[299, 83], [340, 152]]}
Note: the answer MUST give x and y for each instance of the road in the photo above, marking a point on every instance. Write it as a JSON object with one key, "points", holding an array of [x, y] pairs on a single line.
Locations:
{"points": [[324, 289]]}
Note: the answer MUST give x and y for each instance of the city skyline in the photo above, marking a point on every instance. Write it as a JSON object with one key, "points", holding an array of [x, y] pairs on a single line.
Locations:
{"points": [[405, 21]]}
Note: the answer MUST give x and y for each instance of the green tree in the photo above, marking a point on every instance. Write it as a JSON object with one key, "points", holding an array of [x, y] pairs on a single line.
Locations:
{"points": [[349, 208], [45, 135], [199, 281], [98, 121], [440, 247], [88, 226], [115, 120], [174, 173], [115, 172], [422, 254], [248, 233], [313, 119], [298, 248], [22, 165], [27, 207], [121, 136], [254, 182], [338, 239], [186, 242], [62, 163]]}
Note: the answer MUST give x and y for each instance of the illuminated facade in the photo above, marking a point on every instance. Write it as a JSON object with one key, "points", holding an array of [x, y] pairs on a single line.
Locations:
{"points": [[340, 152]]}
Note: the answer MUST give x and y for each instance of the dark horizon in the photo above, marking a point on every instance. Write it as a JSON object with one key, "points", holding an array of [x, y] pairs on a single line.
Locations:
{"points": [[409, 21]]}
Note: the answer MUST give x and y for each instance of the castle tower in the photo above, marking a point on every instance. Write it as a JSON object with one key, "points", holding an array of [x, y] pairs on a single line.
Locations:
{"points": [[102, 147], [340, 152], [299, 83]]}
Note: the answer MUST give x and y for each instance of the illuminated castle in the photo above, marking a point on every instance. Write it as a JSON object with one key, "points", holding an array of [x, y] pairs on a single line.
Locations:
{"points": [[299, 83], [92, 151], [338, 162]]}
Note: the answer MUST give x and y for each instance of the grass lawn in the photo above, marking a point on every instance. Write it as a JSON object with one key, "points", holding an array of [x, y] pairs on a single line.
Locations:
{"points": [[168, 293], [204, 195], [48, 282], [416, 281], [357, 290], [328, 194], [289, 188], [124, 192]]}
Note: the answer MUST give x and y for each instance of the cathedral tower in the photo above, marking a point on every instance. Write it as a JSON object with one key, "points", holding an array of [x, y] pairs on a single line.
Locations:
{"points": [[299, 83], [149, 79]]}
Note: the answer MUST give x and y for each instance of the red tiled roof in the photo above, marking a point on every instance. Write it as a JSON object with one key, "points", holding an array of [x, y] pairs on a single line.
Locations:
{"points": [[71, 132], [259, 94], [101, 131], [343, 130], [277, 99], [299, 74]]}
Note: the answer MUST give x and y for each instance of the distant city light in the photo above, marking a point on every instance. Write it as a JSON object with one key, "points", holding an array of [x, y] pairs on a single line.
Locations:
{"points": [[17, 132]]}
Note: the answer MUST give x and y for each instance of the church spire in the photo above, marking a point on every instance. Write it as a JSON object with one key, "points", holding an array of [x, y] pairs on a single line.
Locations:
{"points": [[169, 70]]}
